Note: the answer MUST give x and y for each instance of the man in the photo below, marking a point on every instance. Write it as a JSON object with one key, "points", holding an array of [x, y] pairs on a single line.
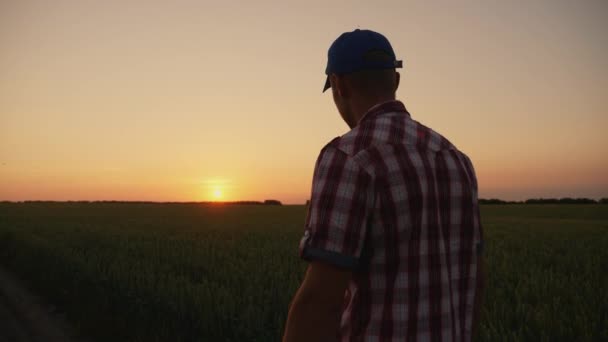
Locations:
{"points": [[393, 233]]}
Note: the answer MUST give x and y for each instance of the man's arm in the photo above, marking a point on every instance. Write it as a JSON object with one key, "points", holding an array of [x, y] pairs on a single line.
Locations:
{"points": [[317, 305]]}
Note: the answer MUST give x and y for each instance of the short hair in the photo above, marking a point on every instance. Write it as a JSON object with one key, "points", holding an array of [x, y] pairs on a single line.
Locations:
{"points": [[375, 81]]}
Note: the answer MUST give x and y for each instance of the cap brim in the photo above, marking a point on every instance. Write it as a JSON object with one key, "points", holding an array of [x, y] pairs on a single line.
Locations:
{"points": [[327, 84]]}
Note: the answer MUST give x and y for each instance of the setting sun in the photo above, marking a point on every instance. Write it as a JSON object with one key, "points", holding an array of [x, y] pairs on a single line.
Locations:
{"points": [[217, 193], [215, 189]]}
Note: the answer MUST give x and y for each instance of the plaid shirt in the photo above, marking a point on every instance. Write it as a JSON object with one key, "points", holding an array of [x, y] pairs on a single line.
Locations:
{"points": [[396, 202]]}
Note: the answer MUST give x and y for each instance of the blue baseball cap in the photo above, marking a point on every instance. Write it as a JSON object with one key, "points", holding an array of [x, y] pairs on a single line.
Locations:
{"points": [[359, 50]]}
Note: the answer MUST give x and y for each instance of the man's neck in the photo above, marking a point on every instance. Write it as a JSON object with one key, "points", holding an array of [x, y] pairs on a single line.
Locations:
{"points": [[365, 105]]}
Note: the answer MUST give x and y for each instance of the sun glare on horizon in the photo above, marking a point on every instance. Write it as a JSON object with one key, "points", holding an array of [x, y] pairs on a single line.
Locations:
{"points": [[214, 189], [217, 194]]}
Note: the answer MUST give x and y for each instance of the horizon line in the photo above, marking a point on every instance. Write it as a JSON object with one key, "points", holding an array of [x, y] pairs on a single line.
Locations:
{"points": [[597, 199]]}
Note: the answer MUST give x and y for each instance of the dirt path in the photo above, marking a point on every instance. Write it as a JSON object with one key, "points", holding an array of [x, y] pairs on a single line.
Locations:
{"points": [[25, 317]]}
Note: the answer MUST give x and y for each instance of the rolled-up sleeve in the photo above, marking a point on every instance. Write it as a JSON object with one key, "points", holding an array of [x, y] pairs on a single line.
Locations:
{"points": [[340, 206]]}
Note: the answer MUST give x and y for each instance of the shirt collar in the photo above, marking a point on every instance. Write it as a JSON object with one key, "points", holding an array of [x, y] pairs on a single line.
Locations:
{"points": [[384, 107]]}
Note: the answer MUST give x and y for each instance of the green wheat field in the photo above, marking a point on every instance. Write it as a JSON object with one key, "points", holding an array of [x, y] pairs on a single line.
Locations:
{"points": [[194, 272]]}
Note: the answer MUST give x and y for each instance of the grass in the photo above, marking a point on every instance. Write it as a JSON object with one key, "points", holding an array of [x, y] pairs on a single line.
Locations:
{"points": [[187, 272]]}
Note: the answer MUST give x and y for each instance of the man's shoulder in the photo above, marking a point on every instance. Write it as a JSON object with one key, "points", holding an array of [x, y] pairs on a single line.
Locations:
{"points": [[346, 143], [390, 129], [434, 141], [332, 144], [328, 151]]}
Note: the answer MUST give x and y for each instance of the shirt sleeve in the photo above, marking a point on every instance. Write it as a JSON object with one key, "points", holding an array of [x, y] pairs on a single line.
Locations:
{"points": [[478, 232], [341, 204]]}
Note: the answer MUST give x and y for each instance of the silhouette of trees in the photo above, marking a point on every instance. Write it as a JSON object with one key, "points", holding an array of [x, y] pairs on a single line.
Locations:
{"points": [[565, 200], [491, 201]]}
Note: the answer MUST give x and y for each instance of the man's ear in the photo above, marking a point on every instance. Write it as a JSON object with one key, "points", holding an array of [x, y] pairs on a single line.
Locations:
{"points": [[397, 79], [335, 84], [339, 85]]}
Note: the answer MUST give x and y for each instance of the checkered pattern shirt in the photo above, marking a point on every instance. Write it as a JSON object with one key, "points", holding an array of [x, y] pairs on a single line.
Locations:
{"points": [[396, 202]]}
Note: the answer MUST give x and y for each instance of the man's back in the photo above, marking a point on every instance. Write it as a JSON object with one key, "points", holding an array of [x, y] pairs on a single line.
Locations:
{"points": [[393, 233], [405, 218]]}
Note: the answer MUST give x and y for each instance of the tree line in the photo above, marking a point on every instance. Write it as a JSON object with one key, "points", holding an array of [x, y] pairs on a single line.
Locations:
{"points": [[564, 200]]}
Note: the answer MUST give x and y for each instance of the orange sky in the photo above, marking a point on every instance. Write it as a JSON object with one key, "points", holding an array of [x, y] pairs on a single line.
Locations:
{"points": [[193, 100]]}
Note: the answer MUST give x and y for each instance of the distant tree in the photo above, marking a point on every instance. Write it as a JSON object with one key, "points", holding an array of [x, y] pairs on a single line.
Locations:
{"points": [[568, 200], [542, 201], [603, 200], [272, 202], [491, 201], [564, 200], [246, 202], [578, 201]]}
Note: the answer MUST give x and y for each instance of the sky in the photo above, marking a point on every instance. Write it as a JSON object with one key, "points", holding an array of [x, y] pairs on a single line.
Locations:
{"points": [[221, 100]]}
